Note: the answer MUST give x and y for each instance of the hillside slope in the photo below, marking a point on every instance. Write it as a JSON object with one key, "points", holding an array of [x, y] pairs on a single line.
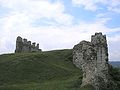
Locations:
{"points": [[51, 70]]}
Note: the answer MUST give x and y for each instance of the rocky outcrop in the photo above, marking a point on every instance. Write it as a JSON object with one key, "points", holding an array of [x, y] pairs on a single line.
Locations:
{"points": [[23, 46], [92, 58]]}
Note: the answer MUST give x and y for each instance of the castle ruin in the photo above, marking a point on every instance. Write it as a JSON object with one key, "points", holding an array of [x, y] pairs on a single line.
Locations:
{"points": [[92, 58], [24, 46]]}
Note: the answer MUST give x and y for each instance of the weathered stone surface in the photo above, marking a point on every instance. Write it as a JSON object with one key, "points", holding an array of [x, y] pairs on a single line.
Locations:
{"points": [[23, 46], [92, 58]]}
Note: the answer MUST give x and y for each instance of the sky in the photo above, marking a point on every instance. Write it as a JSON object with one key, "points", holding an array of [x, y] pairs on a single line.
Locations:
{"points": [[59, 24]]}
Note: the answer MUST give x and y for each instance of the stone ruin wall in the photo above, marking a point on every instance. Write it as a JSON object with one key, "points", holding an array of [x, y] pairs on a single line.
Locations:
{"points": [[24, 46], [92, 58]]}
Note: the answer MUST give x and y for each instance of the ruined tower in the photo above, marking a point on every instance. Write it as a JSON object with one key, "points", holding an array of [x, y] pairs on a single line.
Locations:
{"points": [[24, 46], [92, 58], [19, 45]]}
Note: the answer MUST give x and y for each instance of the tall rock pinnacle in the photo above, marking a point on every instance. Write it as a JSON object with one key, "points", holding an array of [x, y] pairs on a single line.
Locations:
{"points": [[92, 58]]}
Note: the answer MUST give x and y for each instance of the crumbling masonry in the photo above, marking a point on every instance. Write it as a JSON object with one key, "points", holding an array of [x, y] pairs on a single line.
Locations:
{"points": [[92, 58], [24, 46]]}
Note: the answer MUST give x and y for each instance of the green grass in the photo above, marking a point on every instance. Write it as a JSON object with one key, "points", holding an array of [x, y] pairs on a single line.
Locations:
{"points": [[50, 70], [87, 87]]}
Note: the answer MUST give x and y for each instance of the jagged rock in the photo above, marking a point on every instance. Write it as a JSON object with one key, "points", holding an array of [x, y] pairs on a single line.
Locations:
{"points": [[22, 46], [92, 58]]}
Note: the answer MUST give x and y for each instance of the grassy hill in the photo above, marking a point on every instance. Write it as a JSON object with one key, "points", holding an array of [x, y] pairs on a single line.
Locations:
{"points": [[50, 70]]}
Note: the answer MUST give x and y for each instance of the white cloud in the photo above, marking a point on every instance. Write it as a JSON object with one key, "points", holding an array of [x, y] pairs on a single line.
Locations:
{"points": [[87, 4], [37, 9], [114, 43], [52, 37], [94, 5], [22, 13], [62, 33], [49, 37]]}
